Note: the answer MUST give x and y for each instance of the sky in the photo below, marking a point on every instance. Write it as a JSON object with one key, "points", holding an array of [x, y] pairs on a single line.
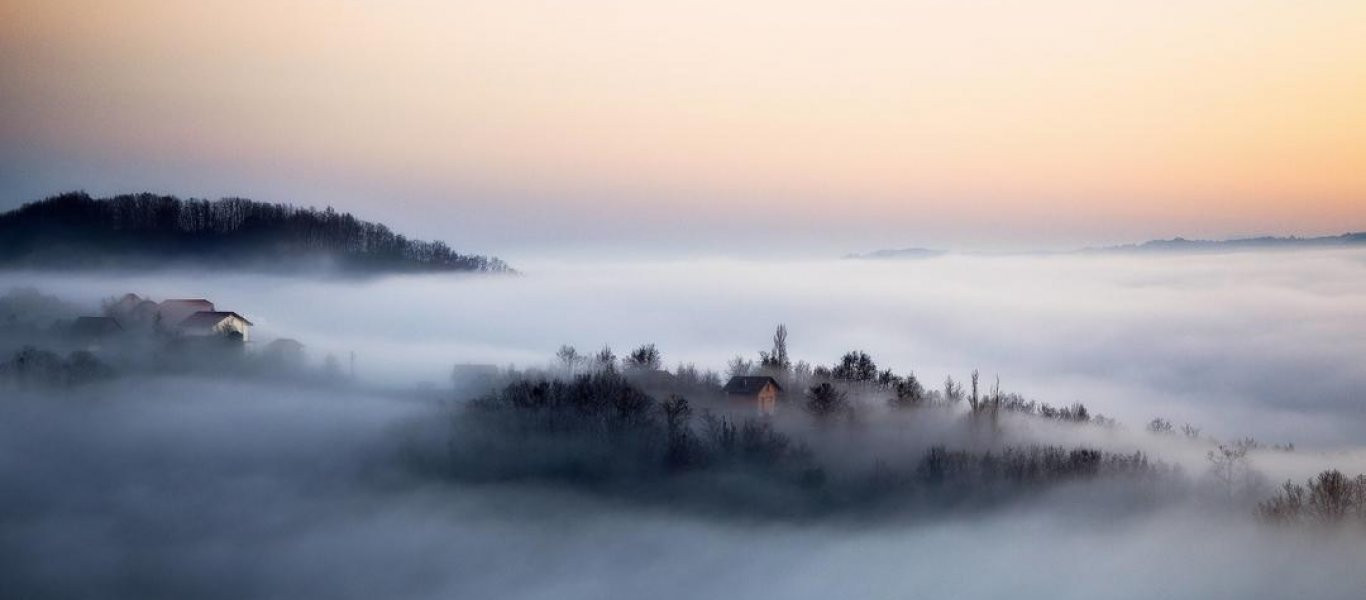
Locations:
{"points": [[520, 127]]}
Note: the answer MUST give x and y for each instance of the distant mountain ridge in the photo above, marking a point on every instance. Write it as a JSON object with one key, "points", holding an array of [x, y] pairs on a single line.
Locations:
{"points": [[898, 253], [1173, 245], [74, 231], [1179, 244]]}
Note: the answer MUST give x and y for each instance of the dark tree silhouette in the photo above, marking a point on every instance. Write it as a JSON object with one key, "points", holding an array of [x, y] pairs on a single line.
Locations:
{"points": [[776, 360], [855, 366], [646, 357], [908, 392], [824, 401], [75, 230]]}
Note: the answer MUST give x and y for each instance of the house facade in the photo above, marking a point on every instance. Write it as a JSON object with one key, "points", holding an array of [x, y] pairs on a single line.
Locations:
{"points": [[760, 391], [215, 323]]}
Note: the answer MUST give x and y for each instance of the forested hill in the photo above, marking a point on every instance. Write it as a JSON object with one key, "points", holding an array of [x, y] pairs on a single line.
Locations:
{"points": [[149, 231]]}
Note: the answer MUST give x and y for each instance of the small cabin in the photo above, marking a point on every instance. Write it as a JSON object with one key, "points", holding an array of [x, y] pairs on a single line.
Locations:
{"points": [[760, 391], [215, 323]]}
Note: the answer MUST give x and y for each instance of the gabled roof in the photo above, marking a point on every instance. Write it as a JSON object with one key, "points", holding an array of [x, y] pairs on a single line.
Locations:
{"points": [[186, 302], [208, 318], [750, 385]]}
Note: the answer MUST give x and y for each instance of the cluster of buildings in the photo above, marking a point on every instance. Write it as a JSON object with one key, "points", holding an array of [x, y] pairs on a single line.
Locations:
{"points": [[180, 317]]}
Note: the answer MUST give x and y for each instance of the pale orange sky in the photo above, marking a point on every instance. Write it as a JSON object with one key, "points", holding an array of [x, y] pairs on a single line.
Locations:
{"points": [[868, 120]]}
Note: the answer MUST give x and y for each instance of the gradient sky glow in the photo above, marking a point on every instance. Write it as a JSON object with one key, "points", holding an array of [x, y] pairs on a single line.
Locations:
{"points": [[706, 125]]}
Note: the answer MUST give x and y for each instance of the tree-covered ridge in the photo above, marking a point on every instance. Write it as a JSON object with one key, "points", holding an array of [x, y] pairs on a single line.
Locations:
{"points": [[75, 230]]}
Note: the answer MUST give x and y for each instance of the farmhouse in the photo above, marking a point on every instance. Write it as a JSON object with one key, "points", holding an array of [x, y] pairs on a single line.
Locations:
{"points": [[760, 391], [215, 323]]}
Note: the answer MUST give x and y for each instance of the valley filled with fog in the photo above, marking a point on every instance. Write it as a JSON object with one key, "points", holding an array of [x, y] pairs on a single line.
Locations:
{"points": [[1261, 344], [199, 483]]}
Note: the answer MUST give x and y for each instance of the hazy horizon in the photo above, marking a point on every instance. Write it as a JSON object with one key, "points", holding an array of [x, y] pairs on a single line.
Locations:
{"points": [[685, 390], [534, 127]]}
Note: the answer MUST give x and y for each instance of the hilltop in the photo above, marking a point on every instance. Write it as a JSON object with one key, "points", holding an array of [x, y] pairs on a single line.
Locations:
{"points": [[75, 231]]}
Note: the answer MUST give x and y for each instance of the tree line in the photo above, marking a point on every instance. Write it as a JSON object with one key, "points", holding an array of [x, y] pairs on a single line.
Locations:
{"points": [[598, 432], [75, 230]]}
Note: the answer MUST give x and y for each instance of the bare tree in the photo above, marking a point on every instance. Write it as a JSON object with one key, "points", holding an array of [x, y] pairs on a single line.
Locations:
{"points": [[777, 360], [1229, 466], [739, 367], [974, 401], [953, 391], [605, 359], [569, 358], [676, 412]]}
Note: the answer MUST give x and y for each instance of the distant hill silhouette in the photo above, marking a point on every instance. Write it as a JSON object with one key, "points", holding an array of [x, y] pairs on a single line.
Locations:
{"points": [[1172, 246], [898, 253], [150, 231], [1255, 243]]}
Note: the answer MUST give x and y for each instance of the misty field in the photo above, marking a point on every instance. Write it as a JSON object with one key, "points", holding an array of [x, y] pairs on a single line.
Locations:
{"points": [[1207, 382]]}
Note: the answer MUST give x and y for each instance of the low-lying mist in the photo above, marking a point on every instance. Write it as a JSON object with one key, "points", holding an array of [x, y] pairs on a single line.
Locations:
{"points": [[1262, 344], [183, 487], [236, 479]]}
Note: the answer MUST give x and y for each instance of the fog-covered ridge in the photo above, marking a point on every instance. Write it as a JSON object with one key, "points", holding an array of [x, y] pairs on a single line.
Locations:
{"points": [[149, 231], [1174, 245]]}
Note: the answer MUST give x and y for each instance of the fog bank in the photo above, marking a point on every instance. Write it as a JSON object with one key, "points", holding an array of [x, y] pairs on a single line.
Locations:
{"points": [[192, 488], [1263, 344]]}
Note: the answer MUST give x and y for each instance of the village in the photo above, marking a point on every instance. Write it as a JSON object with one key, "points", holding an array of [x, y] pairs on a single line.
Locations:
{"points": [[191, 318], [134, 334], [137, 333]]}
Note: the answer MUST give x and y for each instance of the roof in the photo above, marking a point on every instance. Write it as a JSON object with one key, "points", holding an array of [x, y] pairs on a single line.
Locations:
{"points": [[186, 302], [750, 385], [209, 318]]}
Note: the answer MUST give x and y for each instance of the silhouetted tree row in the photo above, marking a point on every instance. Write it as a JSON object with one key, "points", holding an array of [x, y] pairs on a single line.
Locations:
{"points": [[1329, 499], [597, 431], [75, 230]]}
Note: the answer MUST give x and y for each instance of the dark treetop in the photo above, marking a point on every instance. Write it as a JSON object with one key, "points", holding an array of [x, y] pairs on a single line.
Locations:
{"points": [[146, 231]]}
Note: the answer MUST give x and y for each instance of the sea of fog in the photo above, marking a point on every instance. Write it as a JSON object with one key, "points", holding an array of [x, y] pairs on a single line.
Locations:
{"points": [[192, 488], [211, 487], [1264, 344]]}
